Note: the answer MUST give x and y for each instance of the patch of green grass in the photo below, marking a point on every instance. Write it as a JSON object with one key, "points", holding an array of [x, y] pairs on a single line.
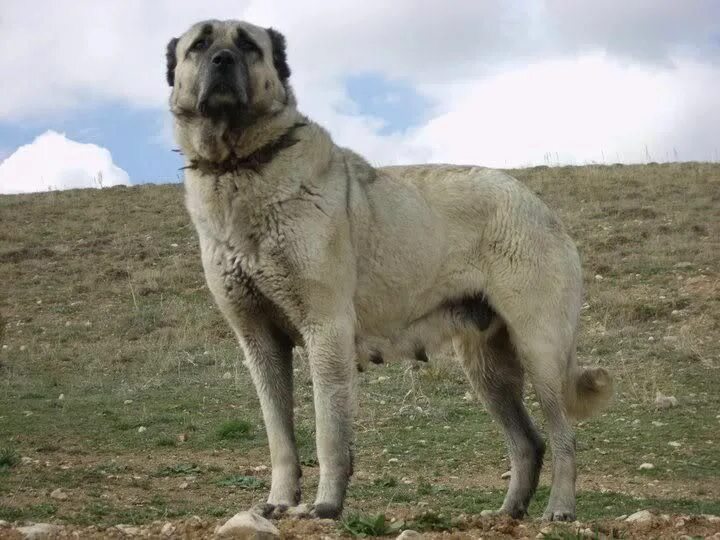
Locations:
{"points": [[235, 430], [430, 521], [360, 526], [165, 442], [30, 512], [183, 469], [241, 481], [9, 458]]}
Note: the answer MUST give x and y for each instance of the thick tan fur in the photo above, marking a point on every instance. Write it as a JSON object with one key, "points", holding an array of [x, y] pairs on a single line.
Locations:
{"points": [[316, 248]]}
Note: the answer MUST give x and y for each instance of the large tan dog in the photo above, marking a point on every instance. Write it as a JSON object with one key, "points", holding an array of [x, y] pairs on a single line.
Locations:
{"points": [[305, 244]]}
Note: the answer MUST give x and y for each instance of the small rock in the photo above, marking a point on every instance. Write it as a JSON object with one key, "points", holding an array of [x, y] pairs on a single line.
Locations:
{"points": [[88, 324], [60, 494], [506, 475], [167, 529], [467, 397], [38, 530], [393, 460], [67, 323], [248, 526], [674, 444], [26, 460], [142, 429], [643, 516], [676, 313], [646, 467], [184, 485], [665, 402], [4, 524], [658, 424], [173, 245], [127, 402], [227, 375], [409, 535], [260, 468], [128, 530], [683, 264], [598, 277], [61, 397], [23, 347], [651, 338]]}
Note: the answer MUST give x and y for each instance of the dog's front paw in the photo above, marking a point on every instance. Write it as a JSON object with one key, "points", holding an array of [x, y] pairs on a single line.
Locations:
{"points": [[314, 511], [271, 511]]}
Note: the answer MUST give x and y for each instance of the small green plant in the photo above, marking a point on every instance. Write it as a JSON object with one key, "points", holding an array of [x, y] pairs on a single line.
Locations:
{"points": [[386, 482], [183, 469], [430, 521], [361, 526], [241, 481], [8, 458], [235, 429], [164, 442]]}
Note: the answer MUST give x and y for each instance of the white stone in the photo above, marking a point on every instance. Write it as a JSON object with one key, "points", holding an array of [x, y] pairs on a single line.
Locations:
{"points": [[598, 277], [665, 402], [167, 529], [128, 530], [142, 429], [506, 475], [4, 524], [468, 396], [646, 466], [643, 516], [393, 460], [61, 397], [409, 535], [38, 530], [674, 444], [127, 402], [60, 494], [248, 526]]}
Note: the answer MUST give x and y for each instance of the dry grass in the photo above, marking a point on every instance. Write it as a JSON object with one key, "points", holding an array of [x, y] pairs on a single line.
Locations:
{"points": [[104, 302]]}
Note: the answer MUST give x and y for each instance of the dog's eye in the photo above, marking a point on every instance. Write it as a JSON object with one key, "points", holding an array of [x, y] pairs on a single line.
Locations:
{"points": [[200, 45]]}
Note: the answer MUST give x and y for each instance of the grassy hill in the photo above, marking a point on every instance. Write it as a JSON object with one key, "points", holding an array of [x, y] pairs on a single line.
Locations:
{"points": [[121, 384]]}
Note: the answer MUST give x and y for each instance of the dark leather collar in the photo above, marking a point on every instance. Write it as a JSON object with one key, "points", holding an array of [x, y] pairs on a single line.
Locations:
{"points": [[261, 156]]}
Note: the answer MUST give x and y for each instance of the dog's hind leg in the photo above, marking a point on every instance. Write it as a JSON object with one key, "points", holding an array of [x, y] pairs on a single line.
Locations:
{"points": [[496, 375], [545, 357]]}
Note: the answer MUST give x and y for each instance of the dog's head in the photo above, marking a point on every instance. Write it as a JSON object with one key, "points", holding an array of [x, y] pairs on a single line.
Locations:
{"points": [[229, 70]]}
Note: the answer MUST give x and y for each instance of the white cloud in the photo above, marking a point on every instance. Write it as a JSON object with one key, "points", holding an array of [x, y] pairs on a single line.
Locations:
{"points": [[582, 110], [52, 161], [494, 58]]}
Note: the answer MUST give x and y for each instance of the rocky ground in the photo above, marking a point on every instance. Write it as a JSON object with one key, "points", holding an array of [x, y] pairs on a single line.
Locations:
{"points": [[642, 524]]}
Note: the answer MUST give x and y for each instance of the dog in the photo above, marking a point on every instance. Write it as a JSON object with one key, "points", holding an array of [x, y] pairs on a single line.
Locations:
{"points": [[303, 243]]}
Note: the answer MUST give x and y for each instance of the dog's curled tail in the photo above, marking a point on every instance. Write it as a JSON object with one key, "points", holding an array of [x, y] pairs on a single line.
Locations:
{"points": [[588, 390]]}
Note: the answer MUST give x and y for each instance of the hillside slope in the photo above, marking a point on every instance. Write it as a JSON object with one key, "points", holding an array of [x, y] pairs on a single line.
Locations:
{"points": [[109, 328]]}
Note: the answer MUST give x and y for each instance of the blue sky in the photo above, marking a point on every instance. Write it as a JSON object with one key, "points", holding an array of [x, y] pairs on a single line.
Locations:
{"points": [[493, 83]]}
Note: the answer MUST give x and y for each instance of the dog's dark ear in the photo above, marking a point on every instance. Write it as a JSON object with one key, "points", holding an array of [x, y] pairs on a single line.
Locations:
{"points": [[171, 57], [279, 56]]}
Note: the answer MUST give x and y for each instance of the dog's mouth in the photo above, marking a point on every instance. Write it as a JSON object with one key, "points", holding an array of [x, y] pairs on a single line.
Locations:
{"points": [[222, 96]]}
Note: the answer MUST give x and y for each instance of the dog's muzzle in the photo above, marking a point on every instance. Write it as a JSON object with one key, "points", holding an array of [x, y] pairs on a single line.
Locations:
{"points": [[224, 84]]}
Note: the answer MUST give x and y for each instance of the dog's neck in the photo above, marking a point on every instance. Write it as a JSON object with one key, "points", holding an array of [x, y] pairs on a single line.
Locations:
{"points": [[215, 145]]}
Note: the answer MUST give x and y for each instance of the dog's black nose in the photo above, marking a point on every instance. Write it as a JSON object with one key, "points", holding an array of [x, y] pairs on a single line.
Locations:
{"points": [[223, 58]]}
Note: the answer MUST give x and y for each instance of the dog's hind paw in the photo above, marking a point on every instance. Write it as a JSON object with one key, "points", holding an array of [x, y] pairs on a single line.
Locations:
{"points": [[558, 515]]}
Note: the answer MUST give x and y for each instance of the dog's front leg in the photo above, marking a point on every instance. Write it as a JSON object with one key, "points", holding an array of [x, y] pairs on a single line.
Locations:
{"points": [[330, 348], [268, 357]]}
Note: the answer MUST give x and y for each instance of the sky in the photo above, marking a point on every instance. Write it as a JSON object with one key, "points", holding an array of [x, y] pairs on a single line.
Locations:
{"points": [[498, 83]]}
